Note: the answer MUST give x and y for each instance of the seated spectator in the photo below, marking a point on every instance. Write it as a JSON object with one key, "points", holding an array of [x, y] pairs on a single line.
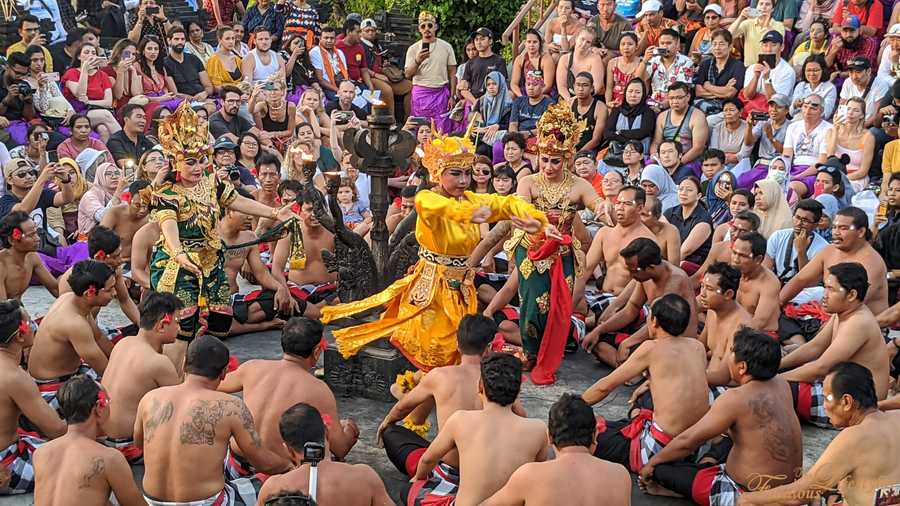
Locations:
{"points": [[813, 80], [121, 71], [224, 66], [852, 45], [657, 183], [667, 68], [159, 115], [848, 136], [472, 84], [357, 217], [741, 200], [358, 71], [38, 142], [532, 61], [80, 139], [890, 54], [768, 135], [585, 166], [30, 35], [633, 162], [275, 116], [343, 102], [227, 121], [63, 52], [832, 180], [650, 25], [802, 144], [528, 108], [491, 112], [633, 120], [870, 18], [580, 59], [311, 109], [129, 144], [150, 165], [703, 37], [298, 70], [718, 194], [684, 125], [720, 77], [752, 30], [90, 91], [728, 135], [307, 145], [186, 70], [88, 161], [762, 80], [693, 223], [195, 44], [329, 63], [45, 88], [144, 24], [816, 44], [153, 81], [863, 83], [561, 31], [622, 69], [302, 20], [609, 25], [103, 194], [770, 204], [514, 146], [17, 108], [262, 62], [591, 109], [264, 13]]}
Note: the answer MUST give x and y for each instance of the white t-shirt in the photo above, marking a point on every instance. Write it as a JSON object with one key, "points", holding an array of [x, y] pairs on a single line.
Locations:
{"points": [[317, 61], [806, 146], [432, 73], [879, 89], [884, 68], [782, 76]]}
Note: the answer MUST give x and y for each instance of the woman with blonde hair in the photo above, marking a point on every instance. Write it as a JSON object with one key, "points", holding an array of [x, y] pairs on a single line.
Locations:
{"points": [[849, 136], [771, 206]]}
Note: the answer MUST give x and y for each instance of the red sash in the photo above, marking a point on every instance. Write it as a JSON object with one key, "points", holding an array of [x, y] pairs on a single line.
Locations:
{"points": [[556, 332]]}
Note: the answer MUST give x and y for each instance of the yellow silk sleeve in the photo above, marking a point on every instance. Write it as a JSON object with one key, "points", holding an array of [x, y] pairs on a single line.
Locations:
{"points": [[505, 207], [430, 205]]}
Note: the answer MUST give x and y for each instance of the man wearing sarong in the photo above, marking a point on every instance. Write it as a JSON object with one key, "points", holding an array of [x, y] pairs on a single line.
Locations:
{"points": [[423, 309], [548, 266], [20, 396], [431, 65]]}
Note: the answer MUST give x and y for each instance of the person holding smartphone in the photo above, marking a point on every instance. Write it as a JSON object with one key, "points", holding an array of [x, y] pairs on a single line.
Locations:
{"points": [[771, 74], [752, 24]]}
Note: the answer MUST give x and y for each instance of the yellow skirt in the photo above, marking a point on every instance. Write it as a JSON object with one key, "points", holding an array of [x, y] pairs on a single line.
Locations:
{"points": [[422, 314]]}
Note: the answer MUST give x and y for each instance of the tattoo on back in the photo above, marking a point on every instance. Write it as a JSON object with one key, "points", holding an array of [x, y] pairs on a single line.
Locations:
{"points": [[777, 442], [97, 468], [200, 426], [158, 414]]}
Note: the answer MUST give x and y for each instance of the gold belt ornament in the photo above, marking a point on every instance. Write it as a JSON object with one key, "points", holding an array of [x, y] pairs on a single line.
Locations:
{"points": [[445, 260]]}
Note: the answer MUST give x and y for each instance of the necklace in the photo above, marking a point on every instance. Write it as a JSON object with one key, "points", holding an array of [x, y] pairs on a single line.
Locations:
{"points": [[553, 193]]}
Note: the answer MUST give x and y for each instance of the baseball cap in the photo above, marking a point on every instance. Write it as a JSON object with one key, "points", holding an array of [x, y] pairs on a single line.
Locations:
{"points": [[714, 8], [484, 32], [648, 7], [773, 36], [368, 23], [851, 21], [833, 165], [355, 16], [894, 31], [780, 100], [223, 143], [13, 165], [858, 63]]}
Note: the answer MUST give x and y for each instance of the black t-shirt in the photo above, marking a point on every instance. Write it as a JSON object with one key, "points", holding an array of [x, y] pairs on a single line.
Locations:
{"points": [[219, 126], [685, 225], [8, 201], [333, 105], [185, 74], [709, 73], [61, 60], [121, 146], [477, 69]]}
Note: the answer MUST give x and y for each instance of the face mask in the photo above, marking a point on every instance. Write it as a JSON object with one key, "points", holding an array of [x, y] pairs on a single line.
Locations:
{"points": [[818, 189]]}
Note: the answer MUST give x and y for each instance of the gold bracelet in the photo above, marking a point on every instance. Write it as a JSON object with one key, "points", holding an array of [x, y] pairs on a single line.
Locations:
{"points": [[274, 214], [177, 252]]}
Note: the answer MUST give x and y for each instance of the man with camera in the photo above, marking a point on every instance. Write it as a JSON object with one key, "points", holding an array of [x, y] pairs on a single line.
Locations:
{"points": [[665, 67], [342, 111], [17, 106], [768, 129], [34, 32], [129, 144], [303, 430]]}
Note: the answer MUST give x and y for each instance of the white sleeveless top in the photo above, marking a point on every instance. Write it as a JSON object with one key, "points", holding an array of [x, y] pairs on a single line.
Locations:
{"points": [[262, 72]]}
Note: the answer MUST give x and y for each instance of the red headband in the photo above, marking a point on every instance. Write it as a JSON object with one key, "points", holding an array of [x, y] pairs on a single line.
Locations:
{"points": [[296, 208], [23, 327], [91, 291], [326, 420], [167, 319], [125, 197], [17, 234], [102, 399], [100, 255]]}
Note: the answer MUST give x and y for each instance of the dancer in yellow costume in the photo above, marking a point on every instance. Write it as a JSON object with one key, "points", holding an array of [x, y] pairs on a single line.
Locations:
{"points": [[423, 309]]}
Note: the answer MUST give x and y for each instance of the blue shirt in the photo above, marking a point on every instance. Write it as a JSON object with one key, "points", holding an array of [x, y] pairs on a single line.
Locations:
{"points": [[527, 115]]}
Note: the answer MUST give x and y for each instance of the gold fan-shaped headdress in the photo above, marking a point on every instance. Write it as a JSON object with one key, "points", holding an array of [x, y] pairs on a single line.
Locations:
{"points": [[445, 152], [559, 130], [183, 135]]}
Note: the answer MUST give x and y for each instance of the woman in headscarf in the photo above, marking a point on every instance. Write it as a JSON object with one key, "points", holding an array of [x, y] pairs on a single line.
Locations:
{"points": [[96, 200], [830, 206], [79, 187], [492, 111], [771, 207], [657, 183], [718, 193]]}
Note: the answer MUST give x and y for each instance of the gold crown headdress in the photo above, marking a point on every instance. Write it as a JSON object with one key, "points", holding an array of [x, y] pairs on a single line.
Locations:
{"points": [[559, 130], [445, 152], [183, 135]]}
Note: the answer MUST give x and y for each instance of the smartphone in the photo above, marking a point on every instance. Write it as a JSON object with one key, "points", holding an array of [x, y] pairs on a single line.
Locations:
{"points": [[420, 120], [52, 156], [52, 76], [426, 46], [759, 116], [752, 12], [154, 9], [769, 59], [841, 113], [102, 61]]}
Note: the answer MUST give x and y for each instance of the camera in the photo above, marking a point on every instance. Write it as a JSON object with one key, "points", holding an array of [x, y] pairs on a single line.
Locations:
{"points": [[52, 156], [759, 116], [269, 86], [234, 174], [46, 27], [313, 453], [660, 51], [25, 89], [343, 117]]}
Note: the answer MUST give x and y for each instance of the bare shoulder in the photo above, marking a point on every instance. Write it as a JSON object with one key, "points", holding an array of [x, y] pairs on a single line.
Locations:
{"points": [[246, 236], [32, 259]]}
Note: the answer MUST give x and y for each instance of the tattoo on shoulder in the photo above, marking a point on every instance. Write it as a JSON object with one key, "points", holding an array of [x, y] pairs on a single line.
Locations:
{"points": [[96, 468], [158, 414], [776, 442], [200, 426]]}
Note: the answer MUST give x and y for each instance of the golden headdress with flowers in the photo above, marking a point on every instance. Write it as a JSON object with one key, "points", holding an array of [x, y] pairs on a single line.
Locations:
{"points": [[183, 135], [559, 130], [445, 152]]}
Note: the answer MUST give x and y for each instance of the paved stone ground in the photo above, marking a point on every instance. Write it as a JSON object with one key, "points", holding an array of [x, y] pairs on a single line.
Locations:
{"points": [[577, 373]]}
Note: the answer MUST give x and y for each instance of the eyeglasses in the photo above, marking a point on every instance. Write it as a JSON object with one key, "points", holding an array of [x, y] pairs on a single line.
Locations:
{"points": [[812, 105], [483, 172], [426, 26], [803, 221]]}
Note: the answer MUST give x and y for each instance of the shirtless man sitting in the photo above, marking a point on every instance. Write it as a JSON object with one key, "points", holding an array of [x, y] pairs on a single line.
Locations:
{"points": [[68, 342], [20, 396], [850, 235], [127, 218], [724, 316], [446, 389], [757, 415], [851, 335], [141, 250], [272, 386], [745, 221], [77, 457], [492, 442], [861, 461], [653, 277], [185, 430], [19, 259], [106, 247], [666, 234], [759, 286], [677, 369], [137, 366], [574, 477], [338, 484], [312, 283]]}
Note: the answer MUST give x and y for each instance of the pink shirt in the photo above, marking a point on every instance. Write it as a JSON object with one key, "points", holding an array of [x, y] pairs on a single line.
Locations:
{"points": [[67, 149]]}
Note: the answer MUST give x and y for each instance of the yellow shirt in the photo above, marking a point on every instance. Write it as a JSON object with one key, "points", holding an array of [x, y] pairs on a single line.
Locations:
{"points": [[753, 33], [217, 73], [20, 47], [890, 162]]}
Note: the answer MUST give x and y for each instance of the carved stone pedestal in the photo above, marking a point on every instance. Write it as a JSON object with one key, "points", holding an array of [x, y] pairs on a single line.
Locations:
{"points": [[369, 374]]}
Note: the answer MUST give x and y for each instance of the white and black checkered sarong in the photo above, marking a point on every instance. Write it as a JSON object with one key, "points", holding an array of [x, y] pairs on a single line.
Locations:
{"points": [[18, 458], [441, 488], [720, 489], [235, 493]]}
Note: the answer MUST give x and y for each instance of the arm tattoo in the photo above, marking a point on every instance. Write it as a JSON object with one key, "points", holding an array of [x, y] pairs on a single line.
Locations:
{"points": [[200, 426], [776, 442], [158, 414], [96, 468]]}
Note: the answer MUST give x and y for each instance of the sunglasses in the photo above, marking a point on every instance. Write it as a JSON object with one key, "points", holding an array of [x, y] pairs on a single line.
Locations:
{"points": [[24, 173], [483, 172], [426, 26]]}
